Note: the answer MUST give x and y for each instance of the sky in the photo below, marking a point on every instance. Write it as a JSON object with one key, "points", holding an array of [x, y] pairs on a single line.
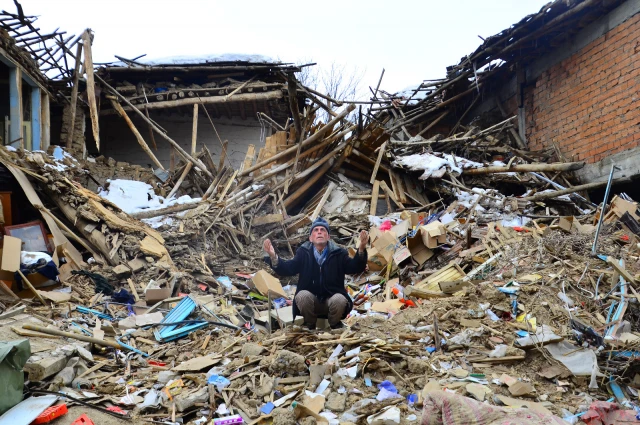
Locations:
{"points": [[411, 40]]}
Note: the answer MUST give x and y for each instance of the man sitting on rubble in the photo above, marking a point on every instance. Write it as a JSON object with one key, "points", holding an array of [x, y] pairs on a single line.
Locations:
{"points": [[321, 265]]}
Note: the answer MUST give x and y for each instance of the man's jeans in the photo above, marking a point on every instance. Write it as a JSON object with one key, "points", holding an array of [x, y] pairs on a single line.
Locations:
{"points": [[311, 307]]}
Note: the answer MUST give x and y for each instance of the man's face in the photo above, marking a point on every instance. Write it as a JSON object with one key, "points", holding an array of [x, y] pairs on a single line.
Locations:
{"points": [[319, 236]]}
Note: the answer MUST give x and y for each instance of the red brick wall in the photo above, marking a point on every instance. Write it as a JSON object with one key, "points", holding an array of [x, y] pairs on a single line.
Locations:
{"points": [[588, 103]]}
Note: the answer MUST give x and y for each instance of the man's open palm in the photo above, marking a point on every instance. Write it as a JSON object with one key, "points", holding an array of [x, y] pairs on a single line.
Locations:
{"points": [[268, 248], [364, 239]]}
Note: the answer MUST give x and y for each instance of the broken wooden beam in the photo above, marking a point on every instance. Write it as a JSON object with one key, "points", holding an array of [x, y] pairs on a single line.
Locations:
{"points": [[79, 337], [570, 190], [74, 96], [411, 291], [524, 168], [91, 87], [323, 200], [375, 193], [187, 101], [293, 103], [374, 173], [164, 211]]}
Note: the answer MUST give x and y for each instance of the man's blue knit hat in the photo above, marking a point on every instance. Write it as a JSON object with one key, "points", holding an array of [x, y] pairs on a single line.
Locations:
{"points": [[319, 222]]}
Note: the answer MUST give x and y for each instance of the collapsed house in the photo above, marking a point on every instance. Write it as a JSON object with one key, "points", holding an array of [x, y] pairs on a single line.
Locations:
{"points": [[567, 73], [494, 286]]}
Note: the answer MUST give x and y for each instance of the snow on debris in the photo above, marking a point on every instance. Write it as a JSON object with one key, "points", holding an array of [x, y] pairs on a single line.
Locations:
{"points": [[410, 93], [202, 59], [435, 165], [133, 196]]}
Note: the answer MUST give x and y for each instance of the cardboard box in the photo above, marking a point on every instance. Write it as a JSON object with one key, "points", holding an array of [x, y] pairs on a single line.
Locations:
{"points": [[374, 234], [386, 245], [152, 296], [264, 282], [414, 218], [419, 252], [375, 260], [401, 254], [433, 234]]}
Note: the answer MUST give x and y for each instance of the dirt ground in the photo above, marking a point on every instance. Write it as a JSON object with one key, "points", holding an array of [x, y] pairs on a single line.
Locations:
{"points": [[96, 416]]}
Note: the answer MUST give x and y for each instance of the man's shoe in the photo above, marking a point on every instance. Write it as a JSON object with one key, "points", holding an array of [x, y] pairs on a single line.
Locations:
{"points": [[338, 325], [309, 327]]}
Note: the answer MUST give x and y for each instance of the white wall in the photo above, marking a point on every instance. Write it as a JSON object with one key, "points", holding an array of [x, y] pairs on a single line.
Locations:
{"points": [[117, 140]]}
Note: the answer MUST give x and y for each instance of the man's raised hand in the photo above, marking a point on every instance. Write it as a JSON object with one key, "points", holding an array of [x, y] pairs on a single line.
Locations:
{"points": [[364, 239], [268, 248]]}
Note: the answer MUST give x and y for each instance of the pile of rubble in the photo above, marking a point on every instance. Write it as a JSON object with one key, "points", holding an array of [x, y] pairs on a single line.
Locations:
{"points": [[486, 279]]}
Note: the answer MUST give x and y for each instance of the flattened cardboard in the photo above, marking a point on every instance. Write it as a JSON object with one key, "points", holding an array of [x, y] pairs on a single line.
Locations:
{"points": [[401, 254], [285, 314], [264, 282], [11, 254], [401, 228], [387, 306], [572, 225]]}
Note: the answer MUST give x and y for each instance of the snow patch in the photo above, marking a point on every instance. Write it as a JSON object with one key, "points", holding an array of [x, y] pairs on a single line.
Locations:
{"points": [[436, 164], [132, 196], [202, 59], [515, 221], [155, 222]]}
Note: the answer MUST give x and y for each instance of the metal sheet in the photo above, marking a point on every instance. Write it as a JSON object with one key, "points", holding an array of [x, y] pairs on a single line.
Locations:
{"points": [[25, 412], [179, 313]]}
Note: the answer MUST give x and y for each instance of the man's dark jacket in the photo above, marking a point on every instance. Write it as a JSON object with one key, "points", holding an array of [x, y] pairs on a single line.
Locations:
{"points": [[323, 281]]}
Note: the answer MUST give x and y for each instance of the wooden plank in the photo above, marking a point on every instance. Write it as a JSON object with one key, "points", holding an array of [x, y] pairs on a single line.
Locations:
{"points": [[4, 288], [91, 86], [184, 174], [398, 187], [194, 130], [390, 194], [94, 368], [74, 96], [132, 286], [374, 197], [452, 286], [378, 161], [323, 200], [31, 287], [14, 312], [223, 154], [267, 219], [226, 188], [248, 158], [620, 269]]}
